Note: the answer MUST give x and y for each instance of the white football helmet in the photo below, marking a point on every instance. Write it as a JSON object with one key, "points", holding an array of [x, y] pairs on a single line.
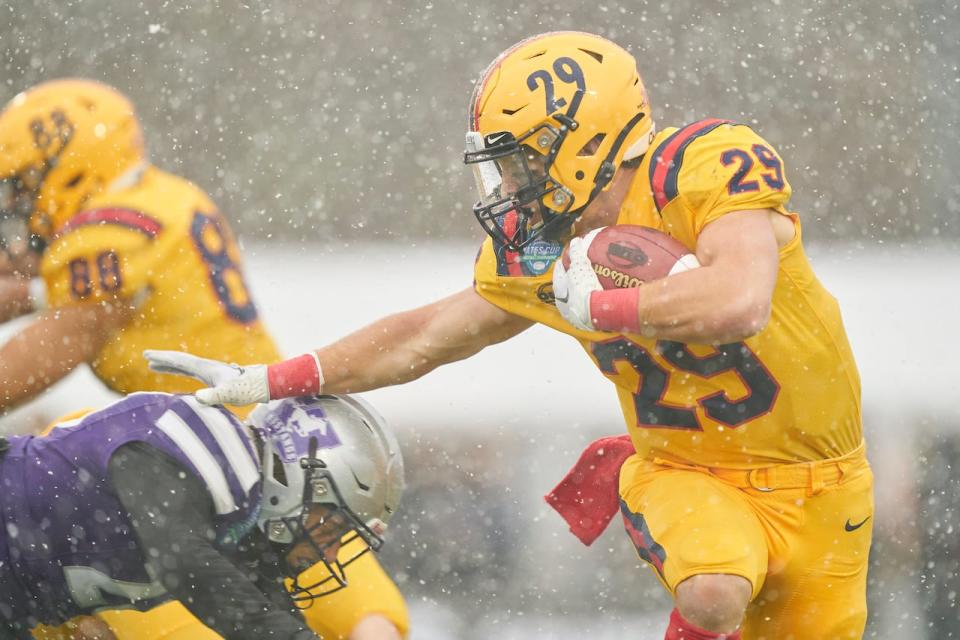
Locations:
{"points": [[333, 451]]}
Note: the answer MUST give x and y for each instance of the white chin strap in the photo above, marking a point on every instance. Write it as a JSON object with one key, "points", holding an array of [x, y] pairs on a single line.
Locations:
{"points": [[640, 147], [128, 178]]}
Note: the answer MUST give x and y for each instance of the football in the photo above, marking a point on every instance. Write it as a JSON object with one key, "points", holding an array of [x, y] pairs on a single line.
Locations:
{"points": [[628, 255]]}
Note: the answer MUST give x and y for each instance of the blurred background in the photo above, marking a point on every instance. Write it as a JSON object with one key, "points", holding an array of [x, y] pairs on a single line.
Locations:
{"points": [[331, 135]]}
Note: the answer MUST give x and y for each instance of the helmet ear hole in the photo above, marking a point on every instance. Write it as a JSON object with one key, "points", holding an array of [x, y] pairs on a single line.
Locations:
{"points": [[74, 181], [278, 473]]}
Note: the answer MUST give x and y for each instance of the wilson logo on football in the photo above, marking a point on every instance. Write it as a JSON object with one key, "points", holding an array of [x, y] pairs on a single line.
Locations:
{"points": [[619, 278], [624, 255]]}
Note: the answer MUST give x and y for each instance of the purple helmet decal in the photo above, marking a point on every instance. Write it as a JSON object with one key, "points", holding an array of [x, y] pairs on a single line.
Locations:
{"points": [[291, 425]]}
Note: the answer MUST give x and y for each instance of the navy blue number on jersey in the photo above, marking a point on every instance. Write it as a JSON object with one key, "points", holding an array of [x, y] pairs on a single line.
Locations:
{"points": [[652, 411], [773, 178], [107, 267], [214, 245]]}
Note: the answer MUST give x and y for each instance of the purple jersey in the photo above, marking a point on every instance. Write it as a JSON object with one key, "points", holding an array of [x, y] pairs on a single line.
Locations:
{"points": [[67, 546]]}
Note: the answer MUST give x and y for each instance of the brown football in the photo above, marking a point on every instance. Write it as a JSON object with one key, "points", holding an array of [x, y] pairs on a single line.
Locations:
{"points": [[627, 255]]}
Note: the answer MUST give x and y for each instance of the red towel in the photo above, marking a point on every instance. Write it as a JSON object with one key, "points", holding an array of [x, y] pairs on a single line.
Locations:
{"points": [[589, 495]]}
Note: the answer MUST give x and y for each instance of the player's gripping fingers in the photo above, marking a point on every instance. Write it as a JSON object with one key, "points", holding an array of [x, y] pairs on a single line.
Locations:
{"points": [[249, 387], [581, 273], [572, 285], [211, 372], [567, 300]]}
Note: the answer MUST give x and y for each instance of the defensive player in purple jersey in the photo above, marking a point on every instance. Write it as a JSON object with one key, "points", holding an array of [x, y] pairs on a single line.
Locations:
{"points": [[158, 498]]}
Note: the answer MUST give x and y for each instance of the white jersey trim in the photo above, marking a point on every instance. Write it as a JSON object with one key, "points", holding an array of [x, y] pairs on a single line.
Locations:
{"points": [[201, 458], [229, 440]]}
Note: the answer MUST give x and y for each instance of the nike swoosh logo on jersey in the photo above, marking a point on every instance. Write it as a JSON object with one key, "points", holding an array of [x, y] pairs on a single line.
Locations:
{"points": [[854, 527], [564, 299]]}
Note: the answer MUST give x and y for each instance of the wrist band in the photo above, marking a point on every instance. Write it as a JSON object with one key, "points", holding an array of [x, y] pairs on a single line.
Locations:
{"points": [[616, 310], [298, 376]]}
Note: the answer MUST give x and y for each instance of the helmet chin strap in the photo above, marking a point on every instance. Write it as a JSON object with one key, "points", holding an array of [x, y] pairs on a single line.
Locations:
{"points": [[607, 168], [640, 147], [128, 178]]}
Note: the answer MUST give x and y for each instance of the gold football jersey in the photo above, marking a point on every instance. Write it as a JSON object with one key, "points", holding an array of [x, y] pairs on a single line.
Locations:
{"points": [[162, 244], [790, 393]]}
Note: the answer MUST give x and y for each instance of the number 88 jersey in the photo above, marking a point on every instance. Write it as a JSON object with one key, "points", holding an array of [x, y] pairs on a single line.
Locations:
{"points": [[162, 244], [790, 393]]}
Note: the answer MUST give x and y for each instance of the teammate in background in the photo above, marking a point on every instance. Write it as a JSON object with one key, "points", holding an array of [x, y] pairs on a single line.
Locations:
{"points": [[749, 493], [115, 255], [158, 497], [128, 256]]}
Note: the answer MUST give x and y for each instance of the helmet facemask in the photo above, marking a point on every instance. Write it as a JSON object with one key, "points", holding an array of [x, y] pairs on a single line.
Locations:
{"points": [[319, 530], [17, 202], [513, 178], [332, 476], [20, 192]]}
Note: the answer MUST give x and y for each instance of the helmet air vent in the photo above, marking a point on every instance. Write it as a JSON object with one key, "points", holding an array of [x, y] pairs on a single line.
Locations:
{"points": [[74, 181], [593, 54], [278, 473]]}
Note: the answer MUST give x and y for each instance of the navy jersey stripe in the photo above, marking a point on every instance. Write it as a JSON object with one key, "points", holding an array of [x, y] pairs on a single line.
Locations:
{"points": [[668, 157]]}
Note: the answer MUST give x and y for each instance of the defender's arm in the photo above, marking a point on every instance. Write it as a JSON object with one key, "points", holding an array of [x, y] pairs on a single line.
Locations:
{"points": [[171, 515]]}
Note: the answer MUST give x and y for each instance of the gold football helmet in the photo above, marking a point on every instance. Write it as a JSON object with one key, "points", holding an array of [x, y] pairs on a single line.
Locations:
{"points": [[551, 120], [60, 143]]}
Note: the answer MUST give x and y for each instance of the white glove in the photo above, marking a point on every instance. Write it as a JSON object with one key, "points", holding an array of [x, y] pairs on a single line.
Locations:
{"points": [[572, 286], [229, 383]]}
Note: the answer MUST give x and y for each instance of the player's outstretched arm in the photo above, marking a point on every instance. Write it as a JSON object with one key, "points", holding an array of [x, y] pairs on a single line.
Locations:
{"points": [[407, 345], [53, 345], [393, 350]]}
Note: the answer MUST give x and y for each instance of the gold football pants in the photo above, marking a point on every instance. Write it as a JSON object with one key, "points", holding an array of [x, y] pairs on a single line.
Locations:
{"points": [[799, 533]]}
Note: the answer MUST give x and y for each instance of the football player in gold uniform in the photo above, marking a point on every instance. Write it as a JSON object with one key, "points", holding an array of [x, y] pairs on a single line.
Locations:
{"points": [[124, 256], [749, 493]]}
